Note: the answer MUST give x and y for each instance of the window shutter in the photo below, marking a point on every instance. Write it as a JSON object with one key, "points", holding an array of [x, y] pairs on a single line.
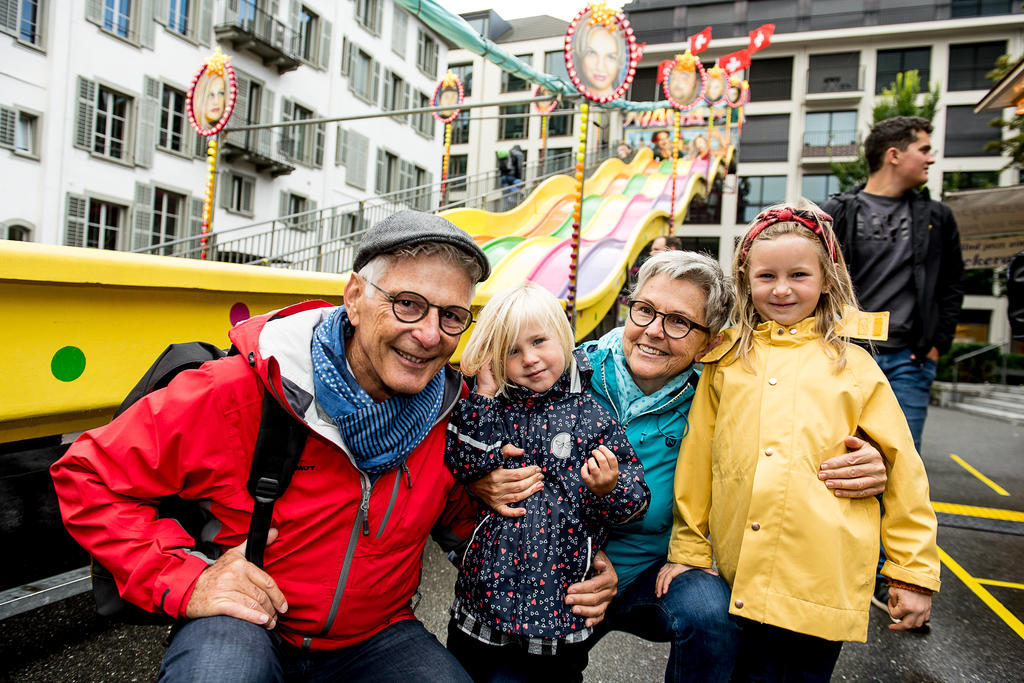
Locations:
{"points": [[9, 16], [142, 220], [147, 27], [86, 112], [248, 190], [294, 10], [339, 147], [225, 189], [282, 207], [287, 133], [433, 122], [357, 159], [420, 60], [385, 101], [266, 135], [200, 145], [433, 59], [240, 114], [405, 102], [195, 221], [346, 56], [149, 110], [161, 11], [93, 11], [406, 176], [376, 81], [204, 22], [325, 44], [231, 12], [74, 229], [361, 11], [400, 31], [275, 7], [381, 166], [320, 143], [8, 122], [378, 25]]}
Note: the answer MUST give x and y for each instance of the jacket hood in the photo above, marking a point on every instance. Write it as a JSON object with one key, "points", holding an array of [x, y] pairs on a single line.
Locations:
{"points": [[277, 347]]}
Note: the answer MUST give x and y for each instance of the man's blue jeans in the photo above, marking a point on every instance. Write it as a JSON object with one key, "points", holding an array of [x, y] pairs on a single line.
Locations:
{"points": [[693, 616], [912, 383], [216, 649]]}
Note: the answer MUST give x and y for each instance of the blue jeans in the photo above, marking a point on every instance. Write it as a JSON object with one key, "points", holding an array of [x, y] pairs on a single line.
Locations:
{"points": [[216, 649], [912, 383], [693, 616], [769, 654], [510, 189]]}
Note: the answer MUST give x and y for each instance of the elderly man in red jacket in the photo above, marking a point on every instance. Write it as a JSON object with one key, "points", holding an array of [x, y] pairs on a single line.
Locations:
{"points": [[343, 559]]}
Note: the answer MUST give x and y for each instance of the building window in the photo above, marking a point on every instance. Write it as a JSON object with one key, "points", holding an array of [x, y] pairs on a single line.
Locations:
{"points": [[168, 218], [514, 127], [237, 193], [758, 193], [19, 131], [706, 210], [17, 233], [979, 8], [177, 19], [396, 94], [460, 129], [309, 34], [834, 73], [426, 53], [771, 79], [458, 165], [117, 17], [110, 135], [818, 188], [361, 75], [103, 228], [893, 62], [293, 204], [298, 141], [967, 133], [830, 133], [465, 74], [557, 160], [765, 138], [645, 87], [28, 20], [387, 172], [370, 15], [423, 123], [953, 181], [559, 125], [512, 83], [554, 64], [968, 64], [172, 121]]}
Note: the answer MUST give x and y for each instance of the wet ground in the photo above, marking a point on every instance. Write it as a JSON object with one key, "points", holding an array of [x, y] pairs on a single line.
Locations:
{"points": [[976, 634]]}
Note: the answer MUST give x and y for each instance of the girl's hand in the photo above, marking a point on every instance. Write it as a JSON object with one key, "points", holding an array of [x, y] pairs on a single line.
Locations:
{"points": [[671, 570], [485, 384], [908, 608], [601, 472]]}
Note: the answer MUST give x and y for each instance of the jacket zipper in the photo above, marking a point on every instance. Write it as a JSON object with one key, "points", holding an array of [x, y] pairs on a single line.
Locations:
{"points": [[394, 497], [364, 507], [473, 535]]}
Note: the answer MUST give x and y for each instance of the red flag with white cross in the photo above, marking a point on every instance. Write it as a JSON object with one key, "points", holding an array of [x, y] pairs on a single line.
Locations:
{"points": [[761, 38], [700, 42], [735, 61], [664, 68]]}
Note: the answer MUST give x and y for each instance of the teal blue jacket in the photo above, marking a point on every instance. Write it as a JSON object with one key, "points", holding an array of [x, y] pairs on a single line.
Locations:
{"points": [[655, 426]]}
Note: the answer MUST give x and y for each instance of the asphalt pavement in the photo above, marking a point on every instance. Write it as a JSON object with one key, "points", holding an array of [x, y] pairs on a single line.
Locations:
{"points": [[976, 632]]}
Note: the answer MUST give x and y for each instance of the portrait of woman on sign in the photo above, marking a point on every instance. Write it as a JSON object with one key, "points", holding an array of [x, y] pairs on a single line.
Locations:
{"points": [[600, 54], [210, 100]]}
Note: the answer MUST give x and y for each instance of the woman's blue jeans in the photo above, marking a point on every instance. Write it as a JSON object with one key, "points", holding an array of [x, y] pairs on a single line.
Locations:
{"points": [[217, 649]]}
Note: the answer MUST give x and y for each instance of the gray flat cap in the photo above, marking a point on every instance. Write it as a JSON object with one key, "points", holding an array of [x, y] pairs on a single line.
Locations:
{"points": [[408, 228]]}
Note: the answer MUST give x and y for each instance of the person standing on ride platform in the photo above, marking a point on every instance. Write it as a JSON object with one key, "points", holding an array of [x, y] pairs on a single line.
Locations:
{"points": [[903, 251]]}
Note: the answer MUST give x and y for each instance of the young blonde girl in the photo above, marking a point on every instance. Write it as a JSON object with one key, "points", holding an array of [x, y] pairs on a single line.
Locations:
{"points": [[774, 401], [531, 393]]}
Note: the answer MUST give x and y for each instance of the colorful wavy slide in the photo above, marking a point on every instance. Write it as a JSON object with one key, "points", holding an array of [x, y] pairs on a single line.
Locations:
{"points": [[625, 207]]}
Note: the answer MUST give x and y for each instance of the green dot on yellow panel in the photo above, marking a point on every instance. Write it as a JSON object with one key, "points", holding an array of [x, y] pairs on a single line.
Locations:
{"points": [[68, 364]]}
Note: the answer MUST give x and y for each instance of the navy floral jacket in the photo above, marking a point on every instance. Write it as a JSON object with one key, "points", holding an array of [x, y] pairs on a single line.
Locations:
{"points": [[516, 570]]}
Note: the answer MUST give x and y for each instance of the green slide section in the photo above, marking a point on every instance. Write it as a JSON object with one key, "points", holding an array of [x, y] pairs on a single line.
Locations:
{"points": [[635, 185], [499, 247], [590, 205]]}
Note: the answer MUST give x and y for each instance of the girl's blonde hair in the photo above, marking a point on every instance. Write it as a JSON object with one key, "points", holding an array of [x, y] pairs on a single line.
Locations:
{"points": [[500, 323], [836, 286]]}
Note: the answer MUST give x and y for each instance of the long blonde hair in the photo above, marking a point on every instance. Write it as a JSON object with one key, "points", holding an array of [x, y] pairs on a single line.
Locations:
{"points": [[836, 286], [500, 323]]}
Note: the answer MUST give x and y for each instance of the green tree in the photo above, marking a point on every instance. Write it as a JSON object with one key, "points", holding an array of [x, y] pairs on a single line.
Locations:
{"points": [[1012, 146], [899, 99]]}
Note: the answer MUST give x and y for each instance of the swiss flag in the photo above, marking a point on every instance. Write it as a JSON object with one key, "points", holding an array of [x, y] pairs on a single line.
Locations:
{"points": [[664, 68], [735, 61], [761, 38], [700, 42]]}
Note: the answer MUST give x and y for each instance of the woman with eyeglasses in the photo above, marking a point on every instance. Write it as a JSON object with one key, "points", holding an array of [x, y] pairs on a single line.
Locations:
{"points": [[645, 376]]}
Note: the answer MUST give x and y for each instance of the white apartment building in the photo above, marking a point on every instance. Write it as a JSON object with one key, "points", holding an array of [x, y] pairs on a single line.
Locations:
{"points": [[812, 94], [96, 146]]}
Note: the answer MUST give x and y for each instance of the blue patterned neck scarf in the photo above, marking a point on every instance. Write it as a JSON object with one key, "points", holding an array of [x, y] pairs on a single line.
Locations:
{"points": [[380, 436]]}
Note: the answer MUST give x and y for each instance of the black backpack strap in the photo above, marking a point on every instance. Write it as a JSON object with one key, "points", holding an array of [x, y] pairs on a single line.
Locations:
{"points": [[279, 445], [175, 359]]}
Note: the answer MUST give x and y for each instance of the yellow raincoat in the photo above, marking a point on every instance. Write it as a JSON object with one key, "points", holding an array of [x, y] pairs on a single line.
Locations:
{"points": [[795, 555]]}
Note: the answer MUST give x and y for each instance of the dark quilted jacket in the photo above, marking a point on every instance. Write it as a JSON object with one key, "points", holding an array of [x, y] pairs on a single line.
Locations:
{"points": [[516, 569]]}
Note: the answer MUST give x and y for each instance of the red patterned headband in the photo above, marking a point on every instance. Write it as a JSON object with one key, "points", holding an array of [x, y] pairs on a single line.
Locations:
{"points": [[811, 220]]}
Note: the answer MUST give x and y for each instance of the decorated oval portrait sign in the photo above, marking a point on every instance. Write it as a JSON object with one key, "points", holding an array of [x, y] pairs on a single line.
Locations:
{"points": [[601, 53], [718, 86], [543, 107], [738, 94], [211, 96], [686, 82], [448, 93]]}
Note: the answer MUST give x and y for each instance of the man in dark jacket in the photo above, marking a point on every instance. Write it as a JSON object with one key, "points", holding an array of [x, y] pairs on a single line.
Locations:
{"points": [[903, 252]]}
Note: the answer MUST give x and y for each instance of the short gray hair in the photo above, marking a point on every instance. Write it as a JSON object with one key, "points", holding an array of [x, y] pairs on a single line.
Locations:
{"points": [[379, 265], [701, 270]]}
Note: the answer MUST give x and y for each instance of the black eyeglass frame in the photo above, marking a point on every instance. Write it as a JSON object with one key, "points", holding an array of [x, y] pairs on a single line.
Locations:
{"points": [[664, 316], [393, 298]]}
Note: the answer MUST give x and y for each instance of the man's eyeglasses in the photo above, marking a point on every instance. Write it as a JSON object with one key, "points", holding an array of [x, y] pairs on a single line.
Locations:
{"points": [[676, 326], [410, 307]]}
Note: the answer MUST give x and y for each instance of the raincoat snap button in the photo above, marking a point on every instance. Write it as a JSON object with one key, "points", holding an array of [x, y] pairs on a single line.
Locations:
{"points": [[781, 331], [769, 451], [773, 381], [755, 526], [739, 604], [792, 330]]}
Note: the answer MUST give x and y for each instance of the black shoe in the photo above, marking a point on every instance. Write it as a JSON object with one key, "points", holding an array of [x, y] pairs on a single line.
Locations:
{"points": [[880, 598], [922, 630]]}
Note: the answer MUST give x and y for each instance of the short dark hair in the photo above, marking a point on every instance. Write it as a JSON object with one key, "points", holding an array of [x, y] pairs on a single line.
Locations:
{"points": [[655, 134], [674, 243], [898, 132]]}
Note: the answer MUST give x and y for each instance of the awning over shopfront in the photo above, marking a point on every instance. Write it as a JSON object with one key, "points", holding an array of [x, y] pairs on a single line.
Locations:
{"points": [[991, 223], [1008, 92]]}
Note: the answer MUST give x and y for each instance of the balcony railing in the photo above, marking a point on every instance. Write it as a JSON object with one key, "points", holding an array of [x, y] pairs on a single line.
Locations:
{"points": [[270, 150], [831, 143], [970, 77], [248, 27], [835, 79], [831, 21], [771, 89], [777, 150]]}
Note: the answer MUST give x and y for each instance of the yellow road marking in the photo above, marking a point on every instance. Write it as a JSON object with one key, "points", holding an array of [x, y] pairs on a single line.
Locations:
{"points": [[1001, 584], [986, 597], [994, 486], [972, 511]]}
